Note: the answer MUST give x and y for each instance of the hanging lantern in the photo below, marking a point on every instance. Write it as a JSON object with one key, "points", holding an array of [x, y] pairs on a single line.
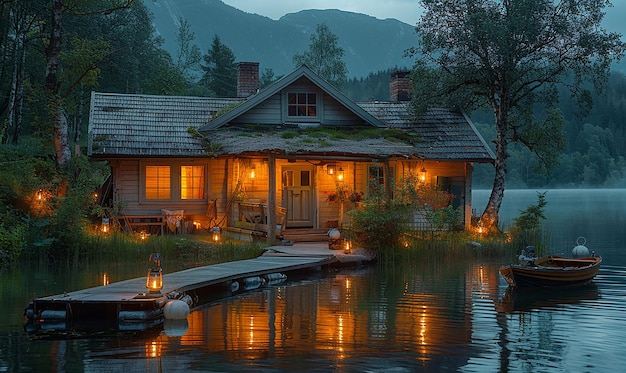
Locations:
{"points": [[216, 234], [330, 169], [422, 175], [154, 279], [340, 174], [253, 172]]}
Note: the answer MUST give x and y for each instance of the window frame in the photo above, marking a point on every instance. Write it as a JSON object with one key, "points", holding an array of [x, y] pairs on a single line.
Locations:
{"points": [[175, 181], [317, 118]]}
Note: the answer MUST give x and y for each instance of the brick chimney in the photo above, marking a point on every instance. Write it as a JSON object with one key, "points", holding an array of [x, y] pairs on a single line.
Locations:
{"points": [[247, 78], [400, 86]]}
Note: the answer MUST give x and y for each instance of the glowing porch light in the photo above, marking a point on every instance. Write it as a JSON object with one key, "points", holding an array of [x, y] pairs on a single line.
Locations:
{"points": [[422, 175], [340, 174], [330, 169]]}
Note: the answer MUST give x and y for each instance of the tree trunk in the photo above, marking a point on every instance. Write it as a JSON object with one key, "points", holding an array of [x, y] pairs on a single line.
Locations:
{"points": [[54, 101], [491, 216]]}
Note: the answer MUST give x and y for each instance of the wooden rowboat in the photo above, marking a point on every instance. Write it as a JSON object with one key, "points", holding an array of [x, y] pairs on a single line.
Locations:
{"points": [[551, 271]]}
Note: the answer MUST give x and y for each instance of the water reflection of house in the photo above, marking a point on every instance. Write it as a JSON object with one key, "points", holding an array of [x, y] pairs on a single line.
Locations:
{"points": [[243, 162], [424, 318]]}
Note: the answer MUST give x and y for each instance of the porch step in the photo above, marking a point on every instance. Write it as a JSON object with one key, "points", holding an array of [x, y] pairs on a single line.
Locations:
{"points": [[306, 234]]}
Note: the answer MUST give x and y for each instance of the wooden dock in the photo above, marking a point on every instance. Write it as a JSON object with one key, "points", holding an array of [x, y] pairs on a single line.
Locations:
{"points": [[125, 305]]}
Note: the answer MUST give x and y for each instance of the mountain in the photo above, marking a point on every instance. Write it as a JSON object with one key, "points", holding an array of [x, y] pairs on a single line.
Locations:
{"points": [[370, 44]]}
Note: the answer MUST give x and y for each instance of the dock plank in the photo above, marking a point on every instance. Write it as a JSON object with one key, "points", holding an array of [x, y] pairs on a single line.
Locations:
{"points": [[193, 278]]}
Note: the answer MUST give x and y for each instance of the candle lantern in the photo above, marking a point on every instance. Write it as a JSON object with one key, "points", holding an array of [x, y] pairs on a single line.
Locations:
{"points": [[347, 245], [154, 279], [105, 225], [216, 234]]}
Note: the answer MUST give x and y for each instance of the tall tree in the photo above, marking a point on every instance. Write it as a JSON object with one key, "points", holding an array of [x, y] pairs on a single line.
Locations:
{"points": [[53, 50], [220, 71], [510, 56], [188, 56], [324, 56]]}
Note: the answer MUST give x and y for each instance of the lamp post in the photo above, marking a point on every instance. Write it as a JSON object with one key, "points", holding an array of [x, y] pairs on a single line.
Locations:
{"points": [[154, 279]]}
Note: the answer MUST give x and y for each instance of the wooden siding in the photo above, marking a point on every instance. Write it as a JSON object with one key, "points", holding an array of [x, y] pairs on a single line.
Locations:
{"points": [[267, 112], [129, 192]]}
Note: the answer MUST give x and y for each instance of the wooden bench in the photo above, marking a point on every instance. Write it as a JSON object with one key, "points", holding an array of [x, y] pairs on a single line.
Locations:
{"points": [[133, 221]]}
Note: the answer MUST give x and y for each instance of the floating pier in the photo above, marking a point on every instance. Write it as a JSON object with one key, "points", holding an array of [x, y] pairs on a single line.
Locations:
{"points": [[126, 305]]}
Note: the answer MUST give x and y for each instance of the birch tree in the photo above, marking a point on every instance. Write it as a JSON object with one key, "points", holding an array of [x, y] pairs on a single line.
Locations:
{"points": [[324, 56]]}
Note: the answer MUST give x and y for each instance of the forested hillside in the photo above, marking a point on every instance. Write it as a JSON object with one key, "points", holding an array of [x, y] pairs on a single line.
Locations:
{"points": [[370, 44]]}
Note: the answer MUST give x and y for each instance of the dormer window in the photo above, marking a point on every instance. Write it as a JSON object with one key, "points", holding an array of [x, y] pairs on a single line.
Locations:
{"points": [[302, 105]]}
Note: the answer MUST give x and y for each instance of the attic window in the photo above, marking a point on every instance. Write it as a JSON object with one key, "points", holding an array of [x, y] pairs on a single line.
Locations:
{"points": [[302, 104]]}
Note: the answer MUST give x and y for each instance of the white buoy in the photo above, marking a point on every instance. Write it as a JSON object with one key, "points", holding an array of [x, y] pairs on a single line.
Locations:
{"points": [[176, 310], [334, 234], [580, 250]]}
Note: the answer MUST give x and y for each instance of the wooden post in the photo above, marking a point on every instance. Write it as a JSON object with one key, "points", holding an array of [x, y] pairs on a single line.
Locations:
{"points": [[271, 199]]}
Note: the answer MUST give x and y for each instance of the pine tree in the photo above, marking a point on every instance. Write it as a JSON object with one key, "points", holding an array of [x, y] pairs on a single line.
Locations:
{"points": [[220, 71]]}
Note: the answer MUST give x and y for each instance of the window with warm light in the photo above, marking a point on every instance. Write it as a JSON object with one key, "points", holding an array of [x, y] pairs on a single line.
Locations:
{"points": [[302, 104], [192, 182], [158, 184]]}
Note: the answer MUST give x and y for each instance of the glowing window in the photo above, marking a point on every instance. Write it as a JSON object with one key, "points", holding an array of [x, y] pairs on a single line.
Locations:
{"points": [[158, 182], [192, 182]]}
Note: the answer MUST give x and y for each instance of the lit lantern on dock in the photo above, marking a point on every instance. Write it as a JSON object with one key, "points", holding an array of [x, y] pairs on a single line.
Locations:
{"points": [[154, 279], [216, 234], [347, 245]]}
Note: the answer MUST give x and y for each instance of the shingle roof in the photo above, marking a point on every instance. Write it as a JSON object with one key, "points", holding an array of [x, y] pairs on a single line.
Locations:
{"points": [[141, 125], [446, 134], [146, 125]]}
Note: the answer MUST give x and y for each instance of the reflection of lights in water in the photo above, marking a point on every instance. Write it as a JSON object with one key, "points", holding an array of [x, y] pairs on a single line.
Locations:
{"points": [[153, 349], [105, 279], [340, 337], [348, 287], [423, 332], [251, 341]]}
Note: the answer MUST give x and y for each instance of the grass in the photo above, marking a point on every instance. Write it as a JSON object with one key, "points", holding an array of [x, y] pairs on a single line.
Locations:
{"points": [[187, 250]]}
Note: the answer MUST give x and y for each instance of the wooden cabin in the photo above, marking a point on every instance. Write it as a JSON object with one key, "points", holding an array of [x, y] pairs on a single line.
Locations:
{"points": [[296, 154]]}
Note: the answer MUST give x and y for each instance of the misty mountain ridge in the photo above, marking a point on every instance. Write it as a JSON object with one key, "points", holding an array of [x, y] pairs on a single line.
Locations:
{"points": [[369, 44]]}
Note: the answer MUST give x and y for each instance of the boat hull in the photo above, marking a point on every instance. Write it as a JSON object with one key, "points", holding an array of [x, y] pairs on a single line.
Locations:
{"points": [[552, 271]]}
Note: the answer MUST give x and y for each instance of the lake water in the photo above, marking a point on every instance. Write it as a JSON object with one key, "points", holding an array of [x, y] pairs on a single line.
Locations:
{"points": [[455, 317]]}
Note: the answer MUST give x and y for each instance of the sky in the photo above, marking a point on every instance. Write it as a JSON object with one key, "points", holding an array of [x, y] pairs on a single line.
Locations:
{"points": [[407, 11]]}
